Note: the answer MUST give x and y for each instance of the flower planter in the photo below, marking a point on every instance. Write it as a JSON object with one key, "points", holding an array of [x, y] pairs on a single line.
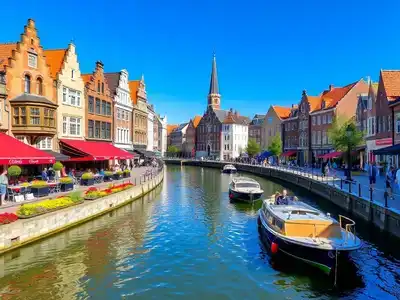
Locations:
{"points": [[127, 175], [65, 187], [40, 191], [107, 178], [87, 182], [91, 199], [116, 176], [47, 211]]}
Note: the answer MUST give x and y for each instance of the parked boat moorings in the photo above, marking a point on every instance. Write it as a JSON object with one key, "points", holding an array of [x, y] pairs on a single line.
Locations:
{"points": [[307, 234], [245, 189]]}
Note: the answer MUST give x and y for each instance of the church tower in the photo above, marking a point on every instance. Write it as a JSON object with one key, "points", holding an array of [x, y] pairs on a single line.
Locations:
{"points": [[214, 98]]}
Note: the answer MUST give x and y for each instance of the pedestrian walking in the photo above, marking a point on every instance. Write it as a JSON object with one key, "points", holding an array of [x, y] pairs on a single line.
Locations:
{"points": [[389, 182], [372, 175], [3, 186]]}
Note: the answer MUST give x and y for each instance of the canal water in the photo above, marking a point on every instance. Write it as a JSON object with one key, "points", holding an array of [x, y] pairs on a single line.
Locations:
{"points": [[186, 240]]}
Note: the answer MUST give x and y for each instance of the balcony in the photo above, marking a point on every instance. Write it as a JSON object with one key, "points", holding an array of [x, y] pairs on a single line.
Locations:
{"points": [[33, 117]]}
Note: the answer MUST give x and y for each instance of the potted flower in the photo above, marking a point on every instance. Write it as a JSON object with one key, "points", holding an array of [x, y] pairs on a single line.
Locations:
{"points": [[108, 176], [67, 184], [87, 179], [117, 175], [127, 173], [57, 167], [40, 188]]}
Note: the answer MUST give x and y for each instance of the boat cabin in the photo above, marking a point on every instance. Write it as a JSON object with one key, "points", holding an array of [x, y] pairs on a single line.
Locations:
{"points": [[299, 220], [244, 182]]}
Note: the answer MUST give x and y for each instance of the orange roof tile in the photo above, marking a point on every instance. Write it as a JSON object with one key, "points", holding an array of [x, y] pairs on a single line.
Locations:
{"points": [[170, 128], [55, 59], [86, 77], [6, 52], [281, 111], [333, 96], [196, 121], [391, 83], [314, 102], [133, 87]]}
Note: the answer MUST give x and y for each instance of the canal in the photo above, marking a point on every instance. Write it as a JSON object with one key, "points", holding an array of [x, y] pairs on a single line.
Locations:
{"points": [[186, 240]]}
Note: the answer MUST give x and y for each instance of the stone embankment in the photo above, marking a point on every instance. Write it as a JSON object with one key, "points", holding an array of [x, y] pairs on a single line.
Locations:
{"points": [[25, 231], [384, 218]]}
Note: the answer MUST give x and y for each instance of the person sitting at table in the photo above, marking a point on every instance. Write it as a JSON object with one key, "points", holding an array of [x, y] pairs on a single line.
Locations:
{"points": [[101, 172], [44, 174]]}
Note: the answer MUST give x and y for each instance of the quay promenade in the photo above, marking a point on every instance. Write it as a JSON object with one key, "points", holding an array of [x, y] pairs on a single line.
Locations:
{"points": [[355, 197]]}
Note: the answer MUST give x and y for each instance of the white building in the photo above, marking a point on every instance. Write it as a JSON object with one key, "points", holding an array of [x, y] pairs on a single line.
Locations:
{"points": [[123, 107], [150, 128], [162, 135], [235, 130]]}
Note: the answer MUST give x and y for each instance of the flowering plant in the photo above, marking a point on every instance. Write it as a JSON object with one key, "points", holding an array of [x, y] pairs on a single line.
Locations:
{"points": [[39, 184], [6, 218]]}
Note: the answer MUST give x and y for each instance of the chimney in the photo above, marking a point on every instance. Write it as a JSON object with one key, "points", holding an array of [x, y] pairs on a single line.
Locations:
{"points": [[99, 64], [330, 87]]}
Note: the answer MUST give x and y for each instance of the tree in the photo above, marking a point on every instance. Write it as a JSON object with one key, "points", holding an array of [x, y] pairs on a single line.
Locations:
{"points": [[172, 149], [252, 147], [345, 137], [275, 147]]}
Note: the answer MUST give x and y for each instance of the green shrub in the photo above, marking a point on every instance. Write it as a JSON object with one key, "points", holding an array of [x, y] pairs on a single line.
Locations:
{"points": [[39, 184], [108, 173], [76, 196], [119, 173], [66, 180], [127, 171], [57, 166], [86, 176], [14, 171], [43, 206]]}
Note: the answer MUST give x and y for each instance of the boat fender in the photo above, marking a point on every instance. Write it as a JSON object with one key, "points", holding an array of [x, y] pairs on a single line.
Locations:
{"points": [[274, 248], [230, 195]]}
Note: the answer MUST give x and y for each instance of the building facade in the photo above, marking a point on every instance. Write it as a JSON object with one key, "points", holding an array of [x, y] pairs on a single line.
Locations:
{"points": [[99, 103], [178, 138], [255, 129], [290, 134], [122, 108], [139, 100], [235, 135], [156, 133], [150, 127], [70, 91], [272, 124], [31, 116], [162, 135], [191, 136]]}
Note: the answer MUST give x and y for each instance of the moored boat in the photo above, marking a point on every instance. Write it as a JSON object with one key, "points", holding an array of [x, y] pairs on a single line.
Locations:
{"points": [[307, 234], [245, 189], [229, 169]]}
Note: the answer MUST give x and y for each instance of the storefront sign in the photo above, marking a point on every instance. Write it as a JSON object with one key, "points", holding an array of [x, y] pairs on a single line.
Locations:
{"points": [[382, 142]]}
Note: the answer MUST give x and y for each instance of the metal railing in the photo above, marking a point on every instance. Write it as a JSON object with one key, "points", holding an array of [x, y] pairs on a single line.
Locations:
{"points": [[349, 227]]}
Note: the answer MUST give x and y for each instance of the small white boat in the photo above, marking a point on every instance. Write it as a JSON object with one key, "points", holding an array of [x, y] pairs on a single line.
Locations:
{"points": [[229, 169], [305, 233], [245, 189]]}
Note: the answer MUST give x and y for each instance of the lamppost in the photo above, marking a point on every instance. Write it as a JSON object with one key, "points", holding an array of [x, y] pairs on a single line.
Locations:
{"points": [[349, 133]]}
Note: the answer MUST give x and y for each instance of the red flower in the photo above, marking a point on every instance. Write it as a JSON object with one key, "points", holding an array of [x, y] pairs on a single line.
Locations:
{"points": [[6, 218]]}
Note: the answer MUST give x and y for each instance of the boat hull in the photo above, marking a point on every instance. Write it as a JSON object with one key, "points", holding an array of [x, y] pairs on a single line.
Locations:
{"points": [[325, 260], [229, 171], [246, 197]]}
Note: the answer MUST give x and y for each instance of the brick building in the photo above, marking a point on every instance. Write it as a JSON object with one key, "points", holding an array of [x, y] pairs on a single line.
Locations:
{"points": [[99, 103], [31, 114], [290, 134], [255, 128], [191, 136], [139, 100]]}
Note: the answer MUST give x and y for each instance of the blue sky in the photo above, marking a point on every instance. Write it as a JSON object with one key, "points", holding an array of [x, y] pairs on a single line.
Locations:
{"points": [[267, 51]]}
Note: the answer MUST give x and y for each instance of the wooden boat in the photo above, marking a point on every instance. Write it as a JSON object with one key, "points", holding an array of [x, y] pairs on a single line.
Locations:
{"points": [[245, 189], [305, 233], [229, 169]]}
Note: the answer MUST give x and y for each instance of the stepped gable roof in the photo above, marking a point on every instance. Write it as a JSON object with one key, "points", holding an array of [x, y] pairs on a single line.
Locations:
{"points": [[112, 81], [133, 87], [6, 52], [391, 83], [196, 120], [55, 59], [86, 77], [281, 111], [314, 102]]}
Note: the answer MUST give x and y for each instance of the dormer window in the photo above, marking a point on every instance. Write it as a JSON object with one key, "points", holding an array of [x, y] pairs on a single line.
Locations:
{"points": [[323, 104], [32, 60]]}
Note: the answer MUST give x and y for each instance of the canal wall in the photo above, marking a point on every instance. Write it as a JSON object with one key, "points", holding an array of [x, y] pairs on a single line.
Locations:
{"points": [[25, 231], [374, 213]]}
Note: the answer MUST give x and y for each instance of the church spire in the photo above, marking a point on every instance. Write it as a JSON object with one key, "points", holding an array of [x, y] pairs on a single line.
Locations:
{"points": [[213, 94]]}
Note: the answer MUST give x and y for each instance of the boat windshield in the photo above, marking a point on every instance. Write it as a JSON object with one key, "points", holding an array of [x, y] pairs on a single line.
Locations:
{"points": [[247, 185]]}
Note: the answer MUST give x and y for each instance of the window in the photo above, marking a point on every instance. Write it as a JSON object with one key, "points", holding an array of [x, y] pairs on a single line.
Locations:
{"points": [[27, 87], [91, 128], [103, 130], [97, 129], [102, 87], [389, 123], [72, 74], [49, 117], [324, 141], [118, 114], [98, 86], [32, 60], [108, 131], [313, 120], [324, 119], [91, 104], [318, 120], [64, 130], [103, 107], [329, 119], [108, 109], [74, 126], [78, 99], [398, 123], [98, 106], [270, 120], [16, 116], [65, 95], [20, 138], [45, 144], [39, 88], [127, 116], [72, 97], [35, 116]]}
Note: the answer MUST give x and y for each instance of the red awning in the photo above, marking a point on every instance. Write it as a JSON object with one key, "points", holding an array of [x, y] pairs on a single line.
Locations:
{"points": [[331, 155], [89, 151], [14, 152], [289, 153]]}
